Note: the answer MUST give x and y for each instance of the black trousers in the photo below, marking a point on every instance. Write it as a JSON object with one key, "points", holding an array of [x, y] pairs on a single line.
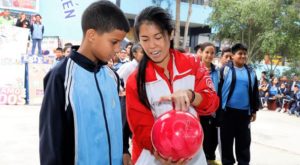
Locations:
{"points": [[235, 126], [210, 141], [126, 130]]}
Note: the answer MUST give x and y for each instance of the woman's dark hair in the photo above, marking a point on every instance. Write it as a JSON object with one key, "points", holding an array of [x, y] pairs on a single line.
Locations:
{"points": [[134, 49], [128, 44], [163, 20], [206, 44]]}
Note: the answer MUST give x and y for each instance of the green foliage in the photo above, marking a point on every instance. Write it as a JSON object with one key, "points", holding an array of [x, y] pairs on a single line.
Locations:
{"points": [[265, 26]]}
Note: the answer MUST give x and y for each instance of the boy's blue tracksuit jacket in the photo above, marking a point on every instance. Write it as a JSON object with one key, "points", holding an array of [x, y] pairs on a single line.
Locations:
{"points": [[227, 84], [80, 118]]}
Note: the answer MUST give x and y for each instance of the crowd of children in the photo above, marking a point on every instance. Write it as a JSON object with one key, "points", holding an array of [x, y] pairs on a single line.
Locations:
{"points": [[280, 94]]}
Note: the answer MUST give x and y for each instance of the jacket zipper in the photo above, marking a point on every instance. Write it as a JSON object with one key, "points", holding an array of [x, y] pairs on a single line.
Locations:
{"points": [[105, 120]]}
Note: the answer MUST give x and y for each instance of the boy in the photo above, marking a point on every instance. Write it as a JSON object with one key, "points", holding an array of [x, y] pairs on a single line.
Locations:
{"points": [[37, 32], [80, 119], [295, 103], [225, 56], [239, 103]]}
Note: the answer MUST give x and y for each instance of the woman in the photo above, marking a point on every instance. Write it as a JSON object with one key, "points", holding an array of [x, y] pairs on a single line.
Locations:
{"points": [[165, 80], [209, 124]]}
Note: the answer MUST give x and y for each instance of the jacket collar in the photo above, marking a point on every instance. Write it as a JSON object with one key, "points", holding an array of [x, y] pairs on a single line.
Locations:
{"points": [[86, 63], [182, 64]]}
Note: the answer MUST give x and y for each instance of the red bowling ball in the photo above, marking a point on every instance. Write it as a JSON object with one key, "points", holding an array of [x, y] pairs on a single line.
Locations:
{"points": [[177, 135]]}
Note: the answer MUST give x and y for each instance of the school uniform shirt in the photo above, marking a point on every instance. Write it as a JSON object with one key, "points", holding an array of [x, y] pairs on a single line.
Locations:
{"points": [[185, 73]]}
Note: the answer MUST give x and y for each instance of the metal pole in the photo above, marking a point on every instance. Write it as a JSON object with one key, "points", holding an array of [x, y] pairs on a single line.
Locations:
{"points": [[26, 84]]}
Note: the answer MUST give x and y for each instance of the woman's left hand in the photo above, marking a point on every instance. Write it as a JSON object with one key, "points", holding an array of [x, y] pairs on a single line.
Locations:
{"points": [[180, 98]]}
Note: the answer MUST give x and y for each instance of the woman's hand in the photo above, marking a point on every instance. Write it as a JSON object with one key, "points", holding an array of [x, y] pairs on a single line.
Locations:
{"points": [[127, 159], [253, 117], [169, 161], [180, 98]]}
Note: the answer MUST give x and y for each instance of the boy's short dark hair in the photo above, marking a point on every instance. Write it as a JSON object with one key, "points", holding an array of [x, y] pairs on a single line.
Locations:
{"points": [[237, 47], [59, 49], [103, 16], [38, 15], [225, 50]]}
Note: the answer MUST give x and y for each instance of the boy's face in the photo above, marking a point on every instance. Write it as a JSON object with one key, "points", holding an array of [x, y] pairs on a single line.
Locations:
{"points": [[226, 57], [104, 46], [239, 58], [58, 53]]}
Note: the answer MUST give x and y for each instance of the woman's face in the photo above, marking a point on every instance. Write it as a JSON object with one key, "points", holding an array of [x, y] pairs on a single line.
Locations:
{"points": [[275, 81], [139, 54], [208, 54], [155, 42]]}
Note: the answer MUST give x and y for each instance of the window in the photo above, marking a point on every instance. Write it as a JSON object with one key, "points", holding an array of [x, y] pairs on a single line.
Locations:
{"points": [[198, 2]]}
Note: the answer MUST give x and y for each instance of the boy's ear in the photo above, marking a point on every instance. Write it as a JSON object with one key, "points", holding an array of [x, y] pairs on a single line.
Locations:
{"points": [[91, 34]]}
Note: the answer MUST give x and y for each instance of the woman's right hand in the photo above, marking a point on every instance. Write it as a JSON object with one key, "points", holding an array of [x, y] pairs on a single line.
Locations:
{"points": [[169, 161], [180, 98]]}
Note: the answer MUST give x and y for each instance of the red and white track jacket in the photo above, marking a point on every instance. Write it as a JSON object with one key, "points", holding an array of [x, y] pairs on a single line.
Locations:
{"points": [[186, 72]]}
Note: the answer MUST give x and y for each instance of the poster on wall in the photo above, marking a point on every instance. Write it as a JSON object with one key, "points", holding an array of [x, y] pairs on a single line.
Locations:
{"points": [[22, 5], [67, 15], [38, 67], [49, 44], [13, 43], [36, 74]]}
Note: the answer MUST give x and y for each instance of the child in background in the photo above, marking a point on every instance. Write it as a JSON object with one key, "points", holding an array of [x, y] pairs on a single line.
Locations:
{"points": [[239, 104], [209, 125]]}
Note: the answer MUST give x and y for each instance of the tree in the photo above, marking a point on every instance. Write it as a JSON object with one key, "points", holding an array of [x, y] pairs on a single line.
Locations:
{"points": [[187, 24], [266, 27], [177, 25]]}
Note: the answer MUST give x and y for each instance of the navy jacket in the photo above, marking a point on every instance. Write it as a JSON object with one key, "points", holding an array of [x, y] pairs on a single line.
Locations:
{"points": [[227, 85]]}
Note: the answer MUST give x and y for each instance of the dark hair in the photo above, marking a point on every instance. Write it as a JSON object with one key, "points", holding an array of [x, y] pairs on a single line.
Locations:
{"points": [[128, 44], [163, 20], [206, 44], [225, 50], [134, 49], [103, 16], [59, 49], [237, 47], [38, 15], [197, 47]]}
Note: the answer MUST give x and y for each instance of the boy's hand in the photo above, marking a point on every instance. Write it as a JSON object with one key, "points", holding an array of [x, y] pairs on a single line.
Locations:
{"points": [[169, 161], [127, 159], [181, 99]]}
